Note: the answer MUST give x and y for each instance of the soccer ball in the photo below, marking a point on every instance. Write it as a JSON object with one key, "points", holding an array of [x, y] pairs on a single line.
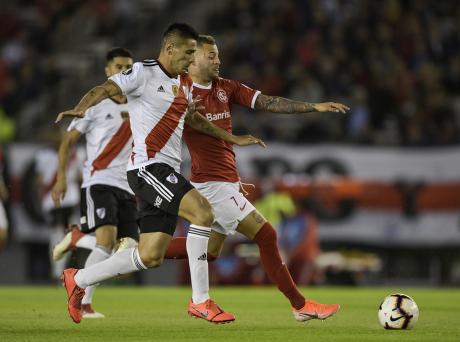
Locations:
{"points": [[398, 311]]}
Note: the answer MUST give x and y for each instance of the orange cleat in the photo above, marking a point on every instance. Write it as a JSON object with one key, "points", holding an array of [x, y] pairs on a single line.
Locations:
{"points": [[210, 312], [74, 294], [68, 243], [314, 310]]}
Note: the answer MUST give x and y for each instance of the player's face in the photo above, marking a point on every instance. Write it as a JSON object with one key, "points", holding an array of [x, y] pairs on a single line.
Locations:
{"points": [[118, 64], [183, 55], [207, 61]]}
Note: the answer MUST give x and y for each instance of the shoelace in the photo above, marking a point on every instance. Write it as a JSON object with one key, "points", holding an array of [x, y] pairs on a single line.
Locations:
{"points": [[212, 305], [242, 185], [76, 298]]}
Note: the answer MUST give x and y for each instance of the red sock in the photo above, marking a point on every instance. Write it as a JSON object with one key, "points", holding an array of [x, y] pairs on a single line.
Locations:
{"points": [[275, 267], [178, 250]]}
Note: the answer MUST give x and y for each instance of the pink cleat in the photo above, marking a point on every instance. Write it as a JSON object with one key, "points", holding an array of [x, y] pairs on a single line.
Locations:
{"points": [[210, 312], [74, 294], [314, 310]]}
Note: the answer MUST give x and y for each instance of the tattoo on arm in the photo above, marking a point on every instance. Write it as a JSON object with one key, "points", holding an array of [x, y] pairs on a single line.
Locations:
{"points": [[201, 124], [97, 94], [276, 104]]}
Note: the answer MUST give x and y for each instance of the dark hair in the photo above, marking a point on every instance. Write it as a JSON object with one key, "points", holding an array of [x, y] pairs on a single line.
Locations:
{"points": [[181, 30], [205, 39], [117, 52]]}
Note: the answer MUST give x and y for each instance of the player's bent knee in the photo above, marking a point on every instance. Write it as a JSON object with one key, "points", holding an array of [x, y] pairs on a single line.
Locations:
{"points": [[207, 218], [106, 237], [204, 217], [107, 244], [151, 259]]}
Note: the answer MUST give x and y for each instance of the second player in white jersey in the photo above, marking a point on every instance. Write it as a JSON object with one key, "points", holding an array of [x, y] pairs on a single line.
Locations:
{"points": [[108, 143], [158, 102]]}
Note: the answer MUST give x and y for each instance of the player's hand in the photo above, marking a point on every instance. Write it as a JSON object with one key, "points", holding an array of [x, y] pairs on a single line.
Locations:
{"points": [[246, 140], [331, 107], [74, 113], [58, 192], [195, 105]]}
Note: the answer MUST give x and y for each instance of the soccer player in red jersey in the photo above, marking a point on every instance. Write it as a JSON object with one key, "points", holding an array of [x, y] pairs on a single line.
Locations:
{"points": [[215, 176]]}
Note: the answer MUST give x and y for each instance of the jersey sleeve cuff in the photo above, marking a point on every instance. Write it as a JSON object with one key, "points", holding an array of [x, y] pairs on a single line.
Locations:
{"points": [[254, 98]]}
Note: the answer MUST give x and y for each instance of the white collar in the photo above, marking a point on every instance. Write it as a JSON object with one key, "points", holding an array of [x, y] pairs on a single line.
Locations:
{"points": [[202, 86]]}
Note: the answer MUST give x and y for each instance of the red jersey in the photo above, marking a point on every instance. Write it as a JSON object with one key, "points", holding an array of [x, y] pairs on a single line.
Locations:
{"points": [[214, 159]]}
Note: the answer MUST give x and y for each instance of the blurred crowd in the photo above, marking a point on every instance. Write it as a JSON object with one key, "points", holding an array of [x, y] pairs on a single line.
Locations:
{"points": [[395, 62]]}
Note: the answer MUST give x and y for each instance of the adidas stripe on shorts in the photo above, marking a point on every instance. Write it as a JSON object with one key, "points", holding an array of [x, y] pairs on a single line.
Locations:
{"points": [[159, 190]]}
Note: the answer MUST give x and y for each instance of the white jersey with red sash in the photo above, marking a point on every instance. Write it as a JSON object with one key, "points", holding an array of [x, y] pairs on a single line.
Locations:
{"points": [[108, 143]]}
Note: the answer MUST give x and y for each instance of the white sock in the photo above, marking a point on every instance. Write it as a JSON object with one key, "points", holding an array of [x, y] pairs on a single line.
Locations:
{"points": [[197, 247], [87, 241], [123, 262], [97, 255]]}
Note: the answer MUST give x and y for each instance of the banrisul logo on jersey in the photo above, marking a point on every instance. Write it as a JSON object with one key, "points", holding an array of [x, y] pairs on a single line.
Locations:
{"points": [[222, 96]]}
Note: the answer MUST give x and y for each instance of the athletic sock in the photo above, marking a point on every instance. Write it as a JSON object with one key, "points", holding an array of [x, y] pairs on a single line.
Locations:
{"points": [[275, 267], [177, 249], [122, 262], [87, 241], [197, 246], [97, 255]]}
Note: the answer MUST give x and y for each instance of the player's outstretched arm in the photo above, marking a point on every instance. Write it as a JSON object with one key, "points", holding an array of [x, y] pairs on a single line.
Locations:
{"points": [[195, 120], [60, 187], [276, 104], [93, 97]]}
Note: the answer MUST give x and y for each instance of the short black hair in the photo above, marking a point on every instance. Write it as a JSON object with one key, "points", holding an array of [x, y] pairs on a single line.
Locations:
{"points": [[181, 30], [117, 52], [205, 39]]}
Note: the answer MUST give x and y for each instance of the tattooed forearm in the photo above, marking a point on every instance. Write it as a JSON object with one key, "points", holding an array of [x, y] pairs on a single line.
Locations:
{"points": [[97, 94], [202, 125], [276, 104]]}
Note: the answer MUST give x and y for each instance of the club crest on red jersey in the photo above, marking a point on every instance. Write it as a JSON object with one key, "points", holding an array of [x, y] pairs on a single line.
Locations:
{"points": [[222, 96]]}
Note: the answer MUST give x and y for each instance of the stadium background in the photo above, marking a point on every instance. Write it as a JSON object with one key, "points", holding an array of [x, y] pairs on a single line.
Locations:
{"points": [[371, 197]]}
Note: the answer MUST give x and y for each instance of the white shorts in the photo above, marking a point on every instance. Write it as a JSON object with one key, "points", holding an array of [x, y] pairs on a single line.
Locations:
{"points": [[3, 219], [229, 205]]}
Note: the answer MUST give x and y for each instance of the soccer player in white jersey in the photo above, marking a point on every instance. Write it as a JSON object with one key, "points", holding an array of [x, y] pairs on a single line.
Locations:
{"points": [[215, 176], [108, 205], [159, 95]]}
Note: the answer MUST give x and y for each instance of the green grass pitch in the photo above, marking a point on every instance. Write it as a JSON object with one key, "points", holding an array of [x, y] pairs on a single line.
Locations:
{"points": [[159, 314]]}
